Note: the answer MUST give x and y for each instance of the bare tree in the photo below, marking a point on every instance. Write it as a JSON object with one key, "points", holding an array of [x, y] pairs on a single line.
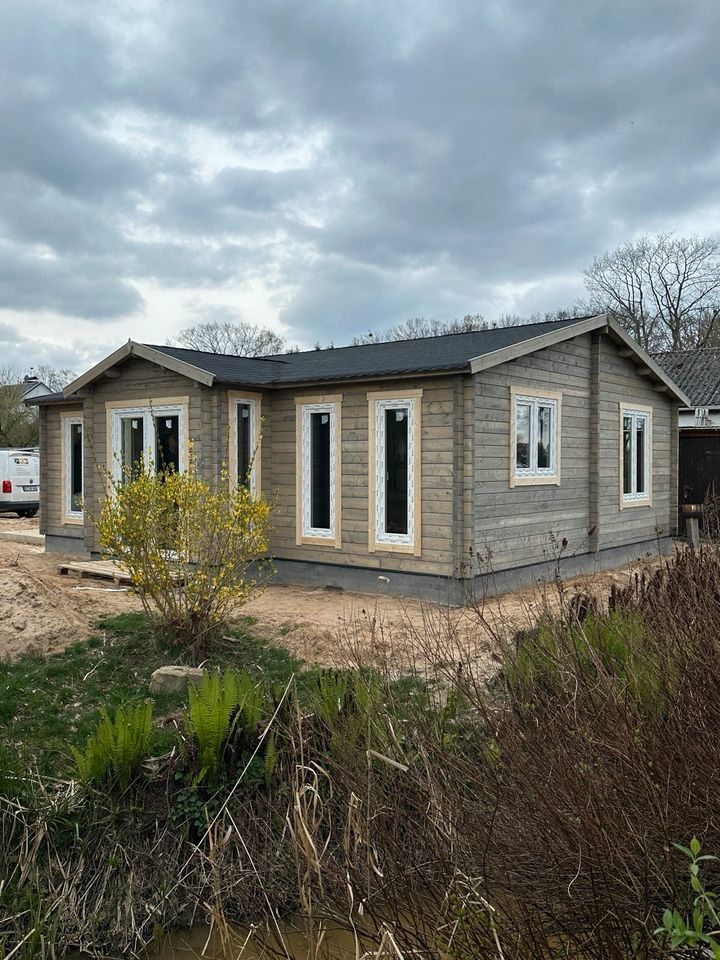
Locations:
{"points": [[53, 377], [665, 290], [417, 327], [223, 336], [18, 423]]}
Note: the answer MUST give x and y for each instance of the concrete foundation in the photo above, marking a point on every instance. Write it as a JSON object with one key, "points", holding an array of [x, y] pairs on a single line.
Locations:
{"points": [[456, 591], [70, 546]]}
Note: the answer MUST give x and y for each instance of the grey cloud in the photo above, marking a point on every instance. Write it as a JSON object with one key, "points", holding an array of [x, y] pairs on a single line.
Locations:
{"points": [[464, 146], [77, 289]]}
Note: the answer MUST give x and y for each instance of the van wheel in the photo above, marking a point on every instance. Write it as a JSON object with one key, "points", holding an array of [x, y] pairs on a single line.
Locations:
{"points": [[28, 513]]}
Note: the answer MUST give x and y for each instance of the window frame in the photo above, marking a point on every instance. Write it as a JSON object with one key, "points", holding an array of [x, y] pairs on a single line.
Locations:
{"points": [[254, 401], [68, 420], [147, 410], [305, 533], [636, 411], [378, 539], [535, 476]]}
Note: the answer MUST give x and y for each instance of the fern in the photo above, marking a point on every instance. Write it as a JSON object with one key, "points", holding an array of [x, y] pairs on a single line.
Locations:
{"points": [[117, 748], [222, 704], [270, 759]]}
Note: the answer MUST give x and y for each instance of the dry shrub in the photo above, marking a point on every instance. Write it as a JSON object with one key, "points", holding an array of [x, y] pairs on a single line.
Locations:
{"points": [[529, 817]]}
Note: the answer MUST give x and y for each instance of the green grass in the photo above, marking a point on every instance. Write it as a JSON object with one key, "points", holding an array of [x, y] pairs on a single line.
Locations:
{"points": [[48, 704]]}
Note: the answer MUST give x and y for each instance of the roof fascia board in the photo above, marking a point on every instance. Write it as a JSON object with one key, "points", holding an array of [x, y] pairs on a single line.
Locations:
{"points": [[521, 349], [99, 369], [602, 321], [182, 367], [619, 333], [145, 353], [370, 378]]}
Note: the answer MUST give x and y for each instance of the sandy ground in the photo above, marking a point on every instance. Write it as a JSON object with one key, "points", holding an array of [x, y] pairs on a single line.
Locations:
{"points": [[42, 611]]}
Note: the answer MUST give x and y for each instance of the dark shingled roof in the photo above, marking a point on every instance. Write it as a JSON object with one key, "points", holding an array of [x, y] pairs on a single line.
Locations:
{"points": [[47, 398], [696, 372], [452, 351]]}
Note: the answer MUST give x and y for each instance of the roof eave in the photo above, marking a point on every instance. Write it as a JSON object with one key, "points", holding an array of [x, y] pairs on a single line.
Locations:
{"points": [[141, 350], [601, 322], [488, 360], [618, 333]]}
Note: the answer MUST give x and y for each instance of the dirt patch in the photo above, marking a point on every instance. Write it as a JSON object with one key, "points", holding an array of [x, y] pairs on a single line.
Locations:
{"points": [[334, 628], [42, 611], [12, 523]]}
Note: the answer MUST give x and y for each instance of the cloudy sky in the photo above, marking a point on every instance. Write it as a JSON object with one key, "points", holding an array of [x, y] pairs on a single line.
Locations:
{"points": [[325, 167]]}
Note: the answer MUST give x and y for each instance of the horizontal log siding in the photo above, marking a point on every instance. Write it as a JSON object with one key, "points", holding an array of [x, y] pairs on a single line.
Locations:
{"points": [[51, 453], [141, 382], [438, 445], [619, 381], [516, 524]]}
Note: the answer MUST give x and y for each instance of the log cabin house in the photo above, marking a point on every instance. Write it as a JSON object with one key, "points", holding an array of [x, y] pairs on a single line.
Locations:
{"points": [[439, 465]]}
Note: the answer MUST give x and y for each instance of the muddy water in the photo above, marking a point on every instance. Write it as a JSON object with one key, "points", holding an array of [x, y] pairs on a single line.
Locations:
{"points": [[336, 944], [242, 944]]}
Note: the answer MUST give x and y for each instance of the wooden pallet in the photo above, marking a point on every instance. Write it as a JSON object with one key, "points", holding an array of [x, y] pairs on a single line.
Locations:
{"points": [[97, 569]]}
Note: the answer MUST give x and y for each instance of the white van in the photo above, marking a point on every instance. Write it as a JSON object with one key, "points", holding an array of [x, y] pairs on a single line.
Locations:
{"points": [[19, 481]]}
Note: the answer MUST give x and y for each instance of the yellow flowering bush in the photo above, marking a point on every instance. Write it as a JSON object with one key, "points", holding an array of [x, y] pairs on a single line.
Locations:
{"points": [[194, 549]]}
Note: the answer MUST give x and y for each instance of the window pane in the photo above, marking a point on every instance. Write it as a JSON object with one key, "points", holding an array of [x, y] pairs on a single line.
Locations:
{"points": [[132, 444], [320, 471], [627, 455], [544, 437], [76, 464], [640, 424], [396, 471], [522, 436], [244, 451], [167, 443]]}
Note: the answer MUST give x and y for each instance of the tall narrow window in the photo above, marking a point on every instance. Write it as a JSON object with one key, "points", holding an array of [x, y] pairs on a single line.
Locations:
{"points": [[73, 462], [318, 476], [635, 445], [244, 421], [147, 438], [167, 443], [535, 446], [132, 445], [395, 472]]}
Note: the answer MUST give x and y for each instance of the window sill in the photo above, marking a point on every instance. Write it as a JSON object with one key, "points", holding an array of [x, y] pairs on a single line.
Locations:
{"points": [[627, 504], [406, 548], [333, 543], [73, 521], [549, 481]]}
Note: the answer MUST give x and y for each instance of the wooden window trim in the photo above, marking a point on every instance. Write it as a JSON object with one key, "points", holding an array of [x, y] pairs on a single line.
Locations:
{"points": [[330, 400], [533, 393], [409, 397], [628, 406], [236, 397], [67, 418]]}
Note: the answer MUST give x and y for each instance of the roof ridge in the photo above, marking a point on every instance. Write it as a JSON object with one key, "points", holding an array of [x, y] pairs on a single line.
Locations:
{"points": [[212, 353], [434, 336], [669, 353]]}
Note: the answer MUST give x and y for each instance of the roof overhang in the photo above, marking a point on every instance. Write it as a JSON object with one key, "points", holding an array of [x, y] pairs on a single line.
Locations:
{"points": [[143, 352], [604, 323]]}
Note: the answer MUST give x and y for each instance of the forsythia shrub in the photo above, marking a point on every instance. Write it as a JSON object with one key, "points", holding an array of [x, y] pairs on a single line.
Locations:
{"points": [[188, 545]]}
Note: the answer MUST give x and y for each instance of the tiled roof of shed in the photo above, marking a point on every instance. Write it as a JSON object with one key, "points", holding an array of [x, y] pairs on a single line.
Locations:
{"points": [[429, 354], [696, 372]]}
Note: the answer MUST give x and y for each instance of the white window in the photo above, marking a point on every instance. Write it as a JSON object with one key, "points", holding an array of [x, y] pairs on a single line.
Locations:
{"points": [[318, 477], [395, 472], [151, 437], [245, 456], [535, 438], [635, 442], [73, 467]]}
